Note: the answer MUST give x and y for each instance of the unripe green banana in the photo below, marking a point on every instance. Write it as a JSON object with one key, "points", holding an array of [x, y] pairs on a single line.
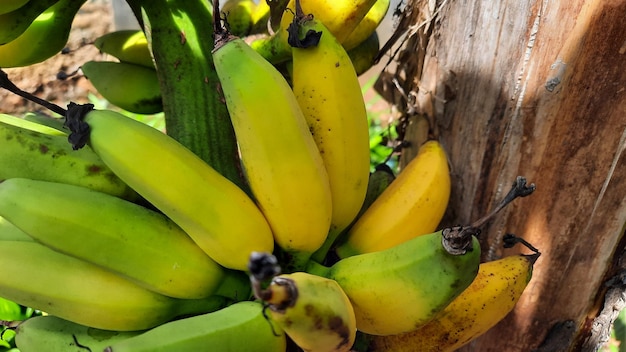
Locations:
{"points": [[134, 88], [46, 120], [240, 327], [15, 22], [239, 16], [329, 93], [130, 46], [341, 17], [378, 182], [212, 210], [30, 154], [53, 334], [135, 242], [30, 125], [84, 293], [368, 24], [280, 159], [364, 54], [10, 232], [395, 290], [314, 312], [45, 37], [7, 6]]}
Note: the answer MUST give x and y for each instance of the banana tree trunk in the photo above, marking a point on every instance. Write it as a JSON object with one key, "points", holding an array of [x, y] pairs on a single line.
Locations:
{"points": [[538, 89]]}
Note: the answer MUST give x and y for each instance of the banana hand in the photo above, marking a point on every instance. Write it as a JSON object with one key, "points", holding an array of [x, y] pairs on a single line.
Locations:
{"points": [[240, 327]]}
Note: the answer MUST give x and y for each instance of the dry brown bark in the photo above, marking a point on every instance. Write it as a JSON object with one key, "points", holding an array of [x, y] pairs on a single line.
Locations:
{"points": [[532, 88]]}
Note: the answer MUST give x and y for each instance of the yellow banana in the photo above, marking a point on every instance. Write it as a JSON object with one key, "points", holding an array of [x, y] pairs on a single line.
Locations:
{"points": [[53, 334], [131, 87], [329, 94], [280, 159], [412, 205], [260, 16], [16, 21], [196, 197], [45, 37], [314, 311], [240, 327], [368, 24], [341, 17], [11, 5], [25, 152], [67, 287], [239, 16], [140, 244], [130, 46], [491, 296], [394, 290]]}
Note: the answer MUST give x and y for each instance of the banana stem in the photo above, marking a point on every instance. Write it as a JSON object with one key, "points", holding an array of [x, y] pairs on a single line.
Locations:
{"points": [[7, 84], [519, 189]]}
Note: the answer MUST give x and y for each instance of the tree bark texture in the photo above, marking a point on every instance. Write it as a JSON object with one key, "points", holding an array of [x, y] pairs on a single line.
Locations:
{"points": [[532, 88]]}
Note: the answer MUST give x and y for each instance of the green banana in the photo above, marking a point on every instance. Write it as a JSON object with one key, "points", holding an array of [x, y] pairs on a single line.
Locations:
{"points": [[341, 17], [314, 311], [364, 54], [378, 181], [46, 120], [280, 159], [395, 290], [53, 334], [329, 93], [240, 327], [131, 87], [30, 125], [130, 46], [137, 243], [260, 16], [31, 154], [84, 293], [239, 16], [212, 210], [45, 37], [15, 22], [7, 6], [10, 232]]}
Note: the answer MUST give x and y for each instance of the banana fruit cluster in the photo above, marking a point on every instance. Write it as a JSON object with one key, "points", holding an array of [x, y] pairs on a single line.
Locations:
{"points": [[128, 241]]}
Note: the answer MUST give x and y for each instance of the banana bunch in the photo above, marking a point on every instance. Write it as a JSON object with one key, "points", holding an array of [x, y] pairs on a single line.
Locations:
{"points": [[129, 241]]}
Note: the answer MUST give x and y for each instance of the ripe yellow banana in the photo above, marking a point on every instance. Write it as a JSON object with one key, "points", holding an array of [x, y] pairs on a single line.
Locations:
{"points": [[411, 206], [341, 17], [239, 16], [240, 327], [491, 296], [15, 22], [394, 290], [130, 46], [11, 5], [45, 37], [260, 16], [137, 243], [132, 87], [329, 94], [212, 210], [25, 152], [280, 159], [72, 289], [53, 334], [368, 24], [314, 311]]}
